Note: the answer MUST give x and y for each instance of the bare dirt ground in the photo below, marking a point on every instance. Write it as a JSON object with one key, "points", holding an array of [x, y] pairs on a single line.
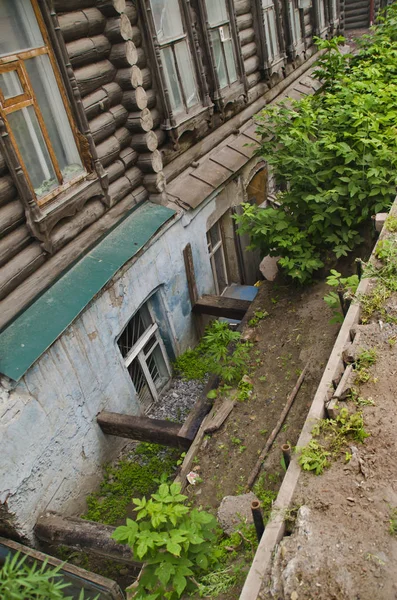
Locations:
{"points": [[297, 327], [343, 546]]}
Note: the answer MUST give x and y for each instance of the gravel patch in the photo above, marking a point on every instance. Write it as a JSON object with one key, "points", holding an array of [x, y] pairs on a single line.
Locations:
{"points": [[176, 402]]}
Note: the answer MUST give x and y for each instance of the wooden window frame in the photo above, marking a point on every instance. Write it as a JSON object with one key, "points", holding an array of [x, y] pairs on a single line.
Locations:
{"points": [[178, 123], [220, 95], [16, 61], [321, 30], [295, 46], [212, 250], [68, 200], [137, 351], [269, 64]]}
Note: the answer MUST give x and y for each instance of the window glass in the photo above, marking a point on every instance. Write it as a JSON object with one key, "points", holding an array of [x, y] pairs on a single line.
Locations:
{"points": [[185, 66], [167, 19], [216, 11], [219, 59], [171, 78], [18, 26], [231, 64], [10, 84], [32, 147], [49, 99]]}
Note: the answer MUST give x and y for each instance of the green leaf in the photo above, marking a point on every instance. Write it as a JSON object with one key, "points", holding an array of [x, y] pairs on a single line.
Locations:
{"points": [[164, 572], [180, 583]]}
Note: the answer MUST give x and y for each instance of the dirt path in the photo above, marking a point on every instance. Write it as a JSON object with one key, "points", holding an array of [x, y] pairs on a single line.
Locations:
{"points": [[296, 329]]}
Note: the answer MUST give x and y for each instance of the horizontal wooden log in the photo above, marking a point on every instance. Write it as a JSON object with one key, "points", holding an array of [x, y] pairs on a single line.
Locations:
{"points": [[82, 23], [119, 189], [8, 190], [253, 79], [251, 65], [102, 127], [199, 411], [119, 114], [115, 170], [128, 157], [242, 6], [140, 121], [143, 142], [92, 77], [134, 176], [69, 229], [81, 535], [87, 50], [220, 306], [135, 100], [13, 243], [245, 21], [109, 150], [118, 29], [136, 36], [151, 98], [124, 54], [129, 78], [147, 82], [161, 137], [154, 182], [123, 136], [65, 5], [247, 36], [111, 8], [156, 118], [141, 57], [11, 215], [131, 11], [248, 50], [150, 162], [102, 99], [20, 267], [142, 429]]}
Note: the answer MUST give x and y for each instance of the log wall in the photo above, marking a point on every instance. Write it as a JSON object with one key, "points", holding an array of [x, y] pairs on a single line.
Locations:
{"points": [[108, 46]]}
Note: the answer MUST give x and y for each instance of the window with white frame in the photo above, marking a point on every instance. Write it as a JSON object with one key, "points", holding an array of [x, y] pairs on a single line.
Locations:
{"points": [[321, 15], [271, 34], [217, 258], [295, 22], [176, 59], [145, 356], [223, 50], [33, 104]]}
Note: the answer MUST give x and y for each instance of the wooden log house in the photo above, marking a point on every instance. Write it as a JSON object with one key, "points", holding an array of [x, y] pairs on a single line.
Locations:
{"points": [[126, 133]]}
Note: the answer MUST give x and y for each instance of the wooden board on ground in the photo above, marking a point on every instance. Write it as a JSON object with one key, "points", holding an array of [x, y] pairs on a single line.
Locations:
{"points": [[219, 416], [220, 306]]}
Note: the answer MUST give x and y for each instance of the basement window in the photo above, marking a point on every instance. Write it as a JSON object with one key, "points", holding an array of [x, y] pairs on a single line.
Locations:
{"points": [[217, 258], [144, 355], [33, 104]]}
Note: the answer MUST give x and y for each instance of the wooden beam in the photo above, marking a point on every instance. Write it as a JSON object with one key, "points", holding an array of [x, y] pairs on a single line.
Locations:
{"points": [[154, 431], [199, 411], [82, 535], [220, 306], [190, 275]]}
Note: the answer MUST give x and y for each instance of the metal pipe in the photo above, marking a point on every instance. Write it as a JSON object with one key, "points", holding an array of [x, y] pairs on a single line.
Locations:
{"points": [[258, 519], [286, 450]]}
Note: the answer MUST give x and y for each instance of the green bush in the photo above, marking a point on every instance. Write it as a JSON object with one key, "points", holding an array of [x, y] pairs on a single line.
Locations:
{"points": [[334, 152]]}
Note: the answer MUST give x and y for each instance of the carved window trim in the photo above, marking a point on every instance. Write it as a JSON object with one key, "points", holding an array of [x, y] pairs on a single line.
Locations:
{"points": [[69, 198], [321, 10], [178, 123], [294, 16], [223, 95], [270, 64]]}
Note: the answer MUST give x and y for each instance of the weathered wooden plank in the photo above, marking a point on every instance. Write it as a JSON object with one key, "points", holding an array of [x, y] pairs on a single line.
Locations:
{"points": [[20, 267], [220, 306], [190, 274], [91, 77], [13, 243], [88, 50], [82, 23], [82, 535], [199, 411], [154, 431]]}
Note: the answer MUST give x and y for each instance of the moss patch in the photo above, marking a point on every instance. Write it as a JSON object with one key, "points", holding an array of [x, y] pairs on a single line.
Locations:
{"points": [[135, 476]]}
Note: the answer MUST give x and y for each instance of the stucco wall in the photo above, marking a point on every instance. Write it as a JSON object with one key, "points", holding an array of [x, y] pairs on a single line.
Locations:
{"points": [[52, 448]]}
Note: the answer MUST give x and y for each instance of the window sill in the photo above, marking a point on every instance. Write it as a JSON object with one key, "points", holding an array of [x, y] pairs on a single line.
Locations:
{"points": [[66, 204], [188, 122], [230, 93]]}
